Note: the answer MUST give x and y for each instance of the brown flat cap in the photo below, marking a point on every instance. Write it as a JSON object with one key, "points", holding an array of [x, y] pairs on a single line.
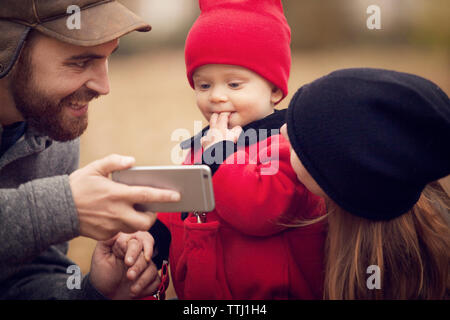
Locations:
{"points": [[100, 21]]}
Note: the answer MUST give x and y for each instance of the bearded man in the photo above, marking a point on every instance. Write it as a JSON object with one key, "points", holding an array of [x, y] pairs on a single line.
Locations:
{"points": [[48, 75]]}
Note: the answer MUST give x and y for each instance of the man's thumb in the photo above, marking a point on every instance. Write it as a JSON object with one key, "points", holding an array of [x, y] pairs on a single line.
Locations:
{"points": [[112, 163]]}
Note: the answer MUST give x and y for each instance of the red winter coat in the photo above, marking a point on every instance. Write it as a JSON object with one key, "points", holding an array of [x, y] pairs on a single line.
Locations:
{"points": [[243, 251]]}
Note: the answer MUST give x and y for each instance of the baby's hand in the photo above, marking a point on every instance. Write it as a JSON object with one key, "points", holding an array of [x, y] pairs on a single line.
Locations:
{"points": [[218, 130]]}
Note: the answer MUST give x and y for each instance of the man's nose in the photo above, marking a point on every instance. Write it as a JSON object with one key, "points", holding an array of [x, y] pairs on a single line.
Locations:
{"points": [[99, 80]]}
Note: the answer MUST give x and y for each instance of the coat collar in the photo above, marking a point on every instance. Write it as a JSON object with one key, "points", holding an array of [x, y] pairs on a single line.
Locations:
{"points": [[30, 143]]}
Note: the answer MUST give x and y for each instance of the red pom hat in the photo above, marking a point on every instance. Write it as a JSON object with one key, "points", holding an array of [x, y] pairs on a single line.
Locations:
{"points": [[250, 33]]}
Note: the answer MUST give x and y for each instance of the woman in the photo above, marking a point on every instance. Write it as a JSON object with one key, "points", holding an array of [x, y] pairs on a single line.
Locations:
{"points": [[373, 143]]}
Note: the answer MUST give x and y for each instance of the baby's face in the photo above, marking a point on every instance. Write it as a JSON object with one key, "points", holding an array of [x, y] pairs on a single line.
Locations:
{"points": [[302, 174], [240, 91]]}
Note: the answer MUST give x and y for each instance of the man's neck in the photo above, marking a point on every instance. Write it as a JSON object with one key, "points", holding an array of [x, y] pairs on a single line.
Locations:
{"points": [[8, 111]]}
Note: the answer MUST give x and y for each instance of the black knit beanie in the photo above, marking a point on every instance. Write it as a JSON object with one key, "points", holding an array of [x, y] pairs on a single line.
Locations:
{"points": [[371, 138]]}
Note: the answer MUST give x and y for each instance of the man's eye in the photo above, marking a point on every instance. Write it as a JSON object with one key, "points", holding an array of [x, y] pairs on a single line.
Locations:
{"points": [[80, 64]]}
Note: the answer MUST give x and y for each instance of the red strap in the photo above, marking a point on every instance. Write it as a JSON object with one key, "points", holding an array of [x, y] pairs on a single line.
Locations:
{"points": [[161, 292]]}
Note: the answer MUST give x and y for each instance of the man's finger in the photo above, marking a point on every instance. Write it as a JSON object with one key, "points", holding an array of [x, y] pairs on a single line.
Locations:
{"points": [[134, 272], [110, 242], [106, 246], [120, 245], [112, 163], [147, 283], [138, 194]]}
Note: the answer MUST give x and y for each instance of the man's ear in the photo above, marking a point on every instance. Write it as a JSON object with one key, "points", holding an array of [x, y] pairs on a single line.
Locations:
{"points": [[276, 95]]}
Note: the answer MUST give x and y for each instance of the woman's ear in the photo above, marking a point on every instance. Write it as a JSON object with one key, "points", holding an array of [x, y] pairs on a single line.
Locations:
{"points": [[276, 95]]}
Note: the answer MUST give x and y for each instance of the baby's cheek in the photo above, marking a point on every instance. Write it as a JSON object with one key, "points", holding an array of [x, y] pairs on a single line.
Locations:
{"points": [[238, 119], [234, 118], [206, 114]]}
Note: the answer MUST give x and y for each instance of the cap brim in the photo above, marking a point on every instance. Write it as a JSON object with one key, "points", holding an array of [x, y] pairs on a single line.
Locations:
{"points": [[11, 43], [98, 24]]}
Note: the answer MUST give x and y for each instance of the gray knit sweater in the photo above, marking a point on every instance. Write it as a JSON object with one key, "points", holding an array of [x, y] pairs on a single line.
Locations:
{"points": [[37, 218]]}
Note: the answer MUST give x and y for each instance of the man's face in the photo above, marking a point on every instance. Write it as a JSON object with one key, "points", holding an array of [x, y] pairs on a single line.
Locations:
{"points": [[53, 83]]}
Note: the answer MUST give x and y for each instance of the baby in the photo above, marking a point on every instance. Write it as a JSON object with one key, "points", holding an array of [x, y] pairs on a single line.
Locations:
{"points": [[238, 61]]}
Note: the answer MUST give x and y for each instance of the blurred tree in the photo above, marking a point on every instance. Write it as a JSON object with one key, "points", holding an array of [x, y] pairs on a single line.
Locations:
{"points": [[170, 21], [335, 22], [314, 24], [432, 24]]}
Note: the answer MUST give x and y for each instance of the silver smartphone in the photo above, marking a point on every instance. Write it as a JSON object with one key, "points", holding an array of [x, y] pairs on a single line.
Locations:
{"points": [[193, 182]]}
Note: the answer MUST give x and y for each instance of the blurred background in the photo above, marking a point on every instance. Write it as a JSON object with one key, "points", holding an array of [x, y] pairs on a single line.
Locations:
{"points": [[150, 97]]}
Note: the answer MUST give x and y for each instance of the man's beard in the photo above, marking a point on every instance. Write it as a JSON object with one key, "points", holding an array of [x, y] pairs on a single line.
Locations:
{"points": [[46, 115]]}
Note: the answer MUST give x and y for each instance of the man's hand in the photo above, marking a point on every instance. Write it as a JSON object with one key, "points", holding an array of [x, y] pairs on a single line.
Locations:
{"points": [[105, 207], [122, 268], [218, 130]]}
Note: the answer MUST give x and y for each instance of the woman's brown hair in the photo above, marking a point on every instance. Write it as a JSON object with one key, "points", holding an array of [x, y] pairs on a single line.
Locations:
{"points": [[412, 251]]}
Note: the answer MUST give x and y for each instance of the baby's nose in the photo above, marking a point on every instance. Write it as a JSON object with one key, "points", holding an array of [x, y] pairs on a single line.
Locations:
{"points": [[218, 95]]}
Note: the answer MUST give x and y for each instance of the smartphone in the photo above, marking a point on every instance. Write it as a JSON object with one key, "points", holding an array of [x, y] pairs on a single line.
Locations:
{"points": [[193, 182]]}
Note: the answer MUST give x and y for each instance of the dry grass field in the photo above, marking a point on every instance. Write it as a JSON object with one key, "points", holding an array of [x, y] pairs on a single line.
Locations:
{"points": [[150, 98]]}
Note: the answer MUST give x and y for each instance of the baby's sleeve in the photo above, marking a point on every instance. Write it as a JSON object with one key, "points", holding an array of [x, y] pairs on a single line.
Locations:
{"points": [[161, 234]]}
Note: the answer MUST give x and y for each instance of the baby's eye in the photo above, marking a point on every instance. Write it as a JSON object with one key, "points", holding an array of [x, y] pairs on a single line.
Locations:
{"points": [[234, 85], [204, 86]]}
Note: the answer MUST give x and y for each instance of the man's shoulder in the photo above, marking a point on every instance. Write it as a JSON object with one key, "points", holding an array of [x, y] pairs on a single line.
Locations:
{"points": [[38, 158]]}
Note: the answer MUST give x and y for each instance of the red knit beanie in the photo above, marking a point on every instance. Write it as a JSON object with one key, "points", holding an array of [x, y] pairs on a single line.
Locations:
{"points": [[250, 33]]}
